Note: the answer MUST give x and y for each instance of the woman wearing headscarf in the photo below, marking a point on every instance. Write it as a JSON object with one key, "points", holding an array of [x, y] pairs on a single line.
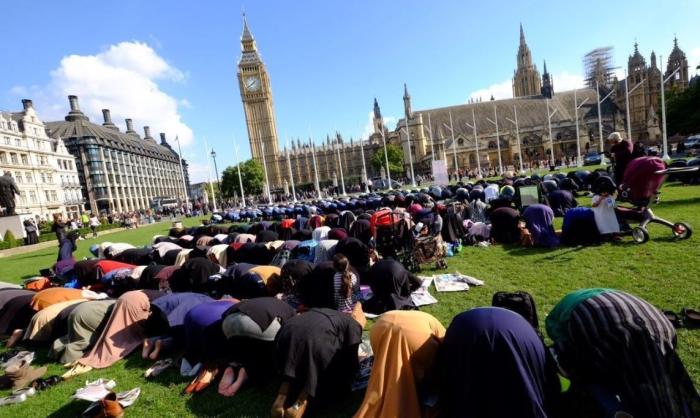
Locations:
{"points": [[539, 221], [579, 227], [391, 286], [623, 350], [217, 254], [123, 333], [338, 234], [15, 309], [41, 325], [84, 326], [204, 340], [250, 328], [405, 346], [325, 250], [504, 225], [347, 218], [362, 230], [492, 363], [317, 355], [560, 201], [356, 252], [166, 321], [320, 233], [292, 273], [266, 236], [194, 275]]}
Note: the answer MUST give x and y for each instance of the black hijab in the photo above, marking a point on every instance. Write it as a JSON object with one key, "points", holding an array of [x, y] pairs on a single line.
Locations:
{"points": [[361, 229], [391, 286], [504, 225], [193, 275]]}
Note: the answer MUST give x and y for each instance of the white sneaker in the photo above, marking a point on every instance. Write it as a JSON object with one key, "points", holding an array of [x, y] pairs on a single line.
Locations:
{"points": [[9, 400]]}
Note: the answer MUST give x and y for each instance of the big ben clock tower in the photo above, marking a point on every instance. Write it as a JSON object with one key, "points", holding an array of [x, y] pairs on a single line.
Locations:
{"points": [[256, 94]]}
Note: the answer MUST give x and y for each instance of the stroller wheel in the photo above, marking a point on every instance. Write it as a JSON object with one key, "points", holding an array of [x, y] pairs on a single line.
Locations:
{"points": [[682, 230], [640, 235]]}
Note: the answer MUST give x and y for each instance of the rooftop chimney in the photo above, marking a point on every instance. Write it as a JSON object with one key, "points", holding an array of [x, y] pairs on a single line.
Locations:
{"points": [[27, 104], [75, 113], [73, 100], [107, 116], [147, 132], [129, 126], [162, 139]]}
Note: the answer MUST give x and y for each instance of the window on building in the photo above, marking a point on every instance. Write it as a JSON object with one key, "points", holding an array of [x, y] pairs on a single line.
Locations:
{"points": [[18, 177], [18, 142], [28, 177], [54, 196], [47, 195], [32, 196], [25, 160], [43, 177], [13, 158], [49, 178], [3, 158]]}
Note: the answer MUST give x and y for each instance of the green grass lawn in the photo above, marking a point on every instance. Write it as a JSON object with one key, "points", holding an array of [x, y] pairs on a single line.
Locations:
{"points": [[662, 271]]}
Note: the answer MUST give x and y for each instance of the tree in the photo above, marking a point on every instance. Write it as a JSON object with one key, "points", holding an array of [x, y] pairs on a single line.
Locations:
{"points": [[395, 155], [683, 111], [252, 176]]}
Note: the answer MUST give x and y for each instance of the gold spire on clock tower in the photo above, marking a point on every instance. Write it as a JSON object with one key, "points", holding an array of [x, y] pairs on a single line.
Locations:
{"points": [[256, 94]]}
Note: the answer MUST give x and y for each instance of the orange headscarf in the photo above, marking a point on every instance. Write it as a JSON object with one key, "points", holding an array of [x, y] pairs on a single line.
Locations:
{"points": [[405, 345]]}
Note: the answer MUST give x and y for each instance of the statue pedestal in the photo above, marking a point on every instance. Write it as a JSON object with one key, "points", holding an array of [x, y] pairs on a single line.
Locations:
{"points": [[12, 223]]}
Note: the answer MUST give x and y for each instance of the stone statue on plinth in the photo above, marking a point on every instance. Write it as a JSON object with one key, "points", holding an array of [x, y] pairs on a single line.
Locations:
{"points": [[8, 190]]}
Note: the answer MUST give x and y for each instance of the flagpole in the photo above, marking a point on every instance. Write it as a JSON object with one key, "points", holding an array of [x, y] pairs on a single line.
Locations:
{"points": [[454, 146], [432, 143], [364, 168], [340, 163], [211, 186], [386, 158], [240, 179], [291, 175], [267, 179], [313, 156], [182, 174]]}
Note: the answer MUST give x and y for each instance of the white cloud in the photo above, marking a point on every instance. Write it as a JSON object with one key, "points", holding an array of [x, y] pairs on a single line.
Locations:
{"points": [[124, 78], [389, 122], [504, 90]]}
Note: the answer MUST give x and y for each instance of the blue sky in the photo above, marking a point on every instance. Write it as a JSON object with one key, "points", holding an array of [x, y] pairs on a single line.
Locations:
{"points": [[172, 64]]}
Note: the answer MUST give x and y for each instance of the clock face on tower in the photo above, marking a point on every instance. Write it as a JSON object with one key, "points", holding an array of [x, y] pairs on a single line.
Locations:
{"points": [[252, 83]]}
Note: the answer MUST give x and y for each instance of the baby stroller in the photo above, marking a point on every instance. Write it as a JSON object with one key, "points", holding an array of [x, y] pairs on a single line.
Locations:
{"points": [[426, 246], [640, 186], [392, 234]]}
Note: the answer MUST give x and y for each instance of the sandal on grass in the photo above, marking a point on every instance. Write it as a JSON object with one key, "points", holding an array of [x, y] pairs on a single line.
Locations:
{"points": [[674, 318], [691, 317], [158, 367]]}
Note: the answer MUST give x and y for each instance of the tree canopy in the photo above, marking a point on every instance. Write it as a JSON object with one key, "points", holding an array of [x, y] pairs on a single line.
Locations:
{"points": [[395, 155], [683, 111], [252, 176]]}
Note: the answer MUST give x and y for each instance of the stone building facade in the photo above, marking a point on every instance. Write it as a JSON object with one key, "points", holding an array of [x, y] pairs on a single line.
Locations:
{"points": [[526, 78], [119, 171], [644, 84], [44, 170]]}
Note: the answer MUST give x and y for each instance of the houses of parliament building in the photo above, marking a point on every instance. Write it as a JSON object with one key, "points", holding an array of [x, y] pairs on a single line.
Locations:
{"points": [[448, 132]]}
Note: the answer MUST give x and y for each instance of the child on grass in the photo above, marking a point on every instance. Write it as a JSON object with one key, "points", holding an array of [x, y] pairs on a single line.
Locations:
{"points": [[604, 212]]}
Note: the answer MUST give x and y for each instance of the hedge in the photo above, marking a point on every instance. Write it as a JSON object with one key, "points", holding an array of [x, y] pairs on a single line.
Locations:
{"points": [[48, 235]]}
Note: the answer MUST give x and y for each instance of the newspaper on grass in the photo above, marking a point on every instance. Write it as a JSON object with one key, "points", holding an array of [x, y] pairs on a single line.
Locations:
{"points": [[422, 296], [455, 282]]}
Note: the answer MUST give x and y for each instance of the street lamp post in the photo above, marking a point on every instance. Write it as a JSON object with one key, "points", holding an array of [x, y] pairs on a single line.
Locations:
{"points": [[549, 127], [216, 170], [577, 106], [182, 174], [454, 145], [267, 178], [240, 179], [517, 136], [476, 143], [386, 158], [498, 139], [211, 186], [291, 175], [364, 167], [313, 156], [600, 116], [410, 157], [430, 132], [340, 164], [664, 133]]}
